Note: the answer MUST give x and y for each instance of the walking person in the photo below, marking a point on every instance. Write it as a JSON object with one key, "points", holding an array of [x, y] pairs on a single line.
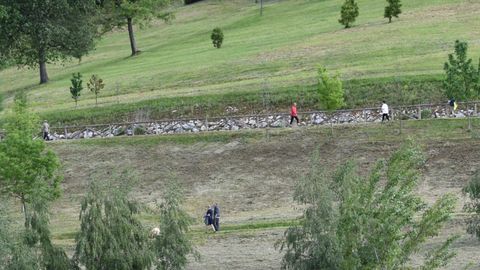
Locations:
{"points": [[45, 130], [216, 215], [293, 113], [208, 219], [453, 104], [385, 112]]}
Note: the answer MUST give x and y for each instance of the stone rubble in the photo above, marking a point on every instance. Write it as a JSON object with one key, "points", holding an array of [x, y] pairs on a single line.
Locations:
{"points": [[253, 122]]}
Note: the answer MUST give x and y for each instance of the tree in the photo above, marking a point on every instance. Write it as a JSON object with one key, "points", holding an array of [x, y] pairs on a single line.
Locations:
{"points": [[462, 78], [393, 9], [173, 244], [473, 205], [95, 85], [217, 37], [373, 222], [38, 32], [38, 237], [330, 90], [28, 170], [348, 13], [14, 253], [111, 236], [118, 13], [76, 87]]}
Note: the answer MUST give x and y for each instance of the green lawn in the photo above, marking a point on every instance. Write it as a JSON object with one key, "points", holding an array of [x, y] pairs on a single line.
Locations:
{"points": [[277, 52]]}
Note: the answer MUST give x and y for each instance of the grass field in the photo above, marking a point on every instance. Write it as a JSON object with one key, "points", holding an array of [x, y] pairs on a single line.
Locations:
{"points": [[278, 52]]}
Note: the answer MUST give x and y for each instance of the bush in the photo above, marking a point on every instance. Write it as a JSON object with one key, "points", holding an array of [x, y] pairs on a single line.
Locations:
{"points": [[426, 114], [188, 2], [140, 130], [217, 37]]}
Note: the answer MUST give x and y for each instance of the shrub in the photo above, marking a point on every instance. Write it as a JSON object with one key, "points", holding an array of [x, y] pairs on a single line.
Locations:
{"points": [[139, 130], [426, 114], [188, 2], [217, 37]]}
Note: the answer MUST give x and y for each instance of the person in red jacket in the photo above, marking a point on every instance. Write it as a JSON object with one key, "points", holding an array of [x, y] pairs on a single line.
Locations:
{"points": [[293, 113]]}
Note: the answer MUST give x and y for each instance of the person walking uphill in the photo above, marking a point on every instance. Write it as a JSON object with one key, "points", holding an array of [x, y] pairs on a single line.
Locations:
{"points": [[293, 113], [45, 130], [216, 216], [385, 112]]}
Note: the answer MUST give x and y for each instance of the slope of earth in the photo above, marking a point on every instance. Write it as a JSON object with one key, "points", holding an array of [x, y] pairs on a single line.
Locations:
{"points": [[252, 176], [279, 50]]}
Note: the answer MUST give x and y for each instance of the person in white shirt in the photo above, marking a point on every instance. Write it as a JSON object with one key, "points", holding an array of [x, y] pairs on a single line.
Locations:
{"points": [[45, 130], [385, 112]]}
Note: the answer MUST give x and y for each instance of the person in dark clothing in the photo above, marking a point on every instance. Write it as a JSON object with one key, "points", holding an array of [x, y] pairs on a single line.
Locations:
{"points": [[216, 217], [209, 218]]}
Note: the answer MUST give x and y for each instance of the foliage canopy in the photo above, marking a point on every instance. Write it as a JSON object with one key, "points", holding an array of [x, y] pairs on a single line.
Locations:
{"points": [[356, 222], [462, 80]]}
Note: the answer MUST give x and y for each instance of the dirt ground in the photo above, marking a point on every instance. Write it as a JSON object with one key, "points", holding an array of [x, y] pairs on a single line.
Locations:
{"points": [[253, 180]]}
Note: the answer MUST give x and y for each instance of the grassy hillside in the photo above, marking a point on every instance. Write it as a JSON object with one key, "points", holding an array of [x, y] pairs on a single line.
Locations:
{"points": [[278, 52], [252, 176]]}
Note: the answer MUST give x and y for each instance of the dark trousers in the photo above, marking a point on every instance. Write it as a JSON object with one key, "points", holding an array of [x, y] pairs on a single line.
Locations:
{"points": [[216, 224], [293, 117], [385, 116], [45, 136]]}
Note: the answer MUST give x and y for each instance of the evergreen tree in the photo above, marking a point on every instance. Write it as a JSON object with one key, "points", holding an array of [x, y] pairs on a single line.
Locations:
{"points": [[348, 13], [37, 32], [356, 222], [173, 244], [217, 37], [111, 236], [118, 13], [330, 90], [76, 87], [393, 9], [463, 79]]}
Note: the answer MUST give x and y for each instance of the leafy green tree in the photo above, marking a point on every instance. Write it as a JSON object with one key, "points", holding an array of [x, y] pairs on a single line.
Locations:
{"points": [[37, 32], [118, 13], [357, 222], [217, 37], [348, 13], [111, 236], [173, 244], [462, 80], [76, 87], [330, 90], [28, 169], [393, 9], [95, 84]]}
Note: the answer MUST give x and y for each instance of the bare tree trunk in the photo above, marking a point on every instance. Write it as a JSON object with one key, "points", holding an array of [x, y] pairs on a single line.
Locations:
{"points": [[133, 44], [42, 63]]}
